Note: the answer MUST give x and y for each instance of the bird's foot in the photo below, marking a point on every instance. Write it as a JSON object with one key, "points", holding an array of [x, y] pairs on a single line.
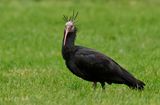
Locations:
{"points": [[103, 85], [94, 85]]}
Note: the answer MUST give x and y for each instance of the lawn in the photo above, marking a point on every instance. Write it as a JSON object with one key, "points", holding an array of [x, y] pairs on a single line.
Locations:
{"points": [[32, 71]]}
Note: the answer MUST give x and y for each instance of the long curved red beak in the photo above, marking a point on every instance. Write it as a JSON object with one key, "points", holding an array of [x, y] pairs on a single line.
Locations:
{"points": [[65, 36]]}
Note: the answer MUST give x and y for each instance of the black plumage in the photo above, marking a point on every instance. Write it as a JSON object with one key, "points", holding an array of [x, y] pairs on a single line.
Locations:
{"points": [[91, 65]]}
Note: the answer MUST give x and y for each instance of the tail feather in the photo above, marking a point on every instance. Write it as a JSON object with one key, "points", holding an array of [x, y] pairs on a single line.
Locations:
{"points": [[137, 84], [132, 82]]}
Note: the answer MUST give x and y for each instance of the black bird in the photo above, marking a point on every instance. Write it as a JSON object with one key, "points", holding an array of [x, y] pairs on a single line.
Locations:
{"points": [[91, 65]]}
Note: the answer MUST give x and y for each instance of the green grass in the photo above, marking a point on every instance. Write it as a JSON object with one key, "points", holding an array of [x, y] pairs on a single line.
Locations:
{"points": [[32, 71]]}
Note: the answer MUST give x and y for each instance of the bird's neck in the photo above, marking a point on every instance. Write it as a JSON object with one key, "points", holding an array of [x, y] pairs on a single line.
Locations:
{"points": [[69, 40], [68, 47]]}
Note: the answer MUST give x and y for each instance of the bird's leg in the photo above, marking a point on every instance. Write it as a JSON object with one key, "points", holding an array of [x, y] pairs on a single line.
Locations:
{"points": [[94, 85], [103, 85]]}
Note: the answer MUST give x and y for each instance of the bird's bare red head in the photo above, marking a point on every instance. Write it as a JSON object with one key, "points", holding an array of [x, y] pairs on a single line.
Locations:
{"points": [[69, 26]]}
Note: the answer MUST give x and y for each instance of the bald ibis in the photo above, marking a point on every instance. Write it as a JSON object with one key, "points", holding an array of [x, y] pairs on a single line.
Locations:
{"points": [[92, 65]]}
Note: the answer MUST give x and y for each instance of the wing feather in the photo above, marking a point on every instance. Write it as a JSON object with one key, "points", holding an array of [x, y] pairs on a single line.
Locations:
{"points": [[97, 65]]}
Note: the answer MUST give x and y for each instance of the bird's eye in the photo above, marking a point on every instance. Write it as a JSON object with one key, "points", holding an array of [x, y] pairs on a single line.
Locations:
{"points": [[71, 26]]}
